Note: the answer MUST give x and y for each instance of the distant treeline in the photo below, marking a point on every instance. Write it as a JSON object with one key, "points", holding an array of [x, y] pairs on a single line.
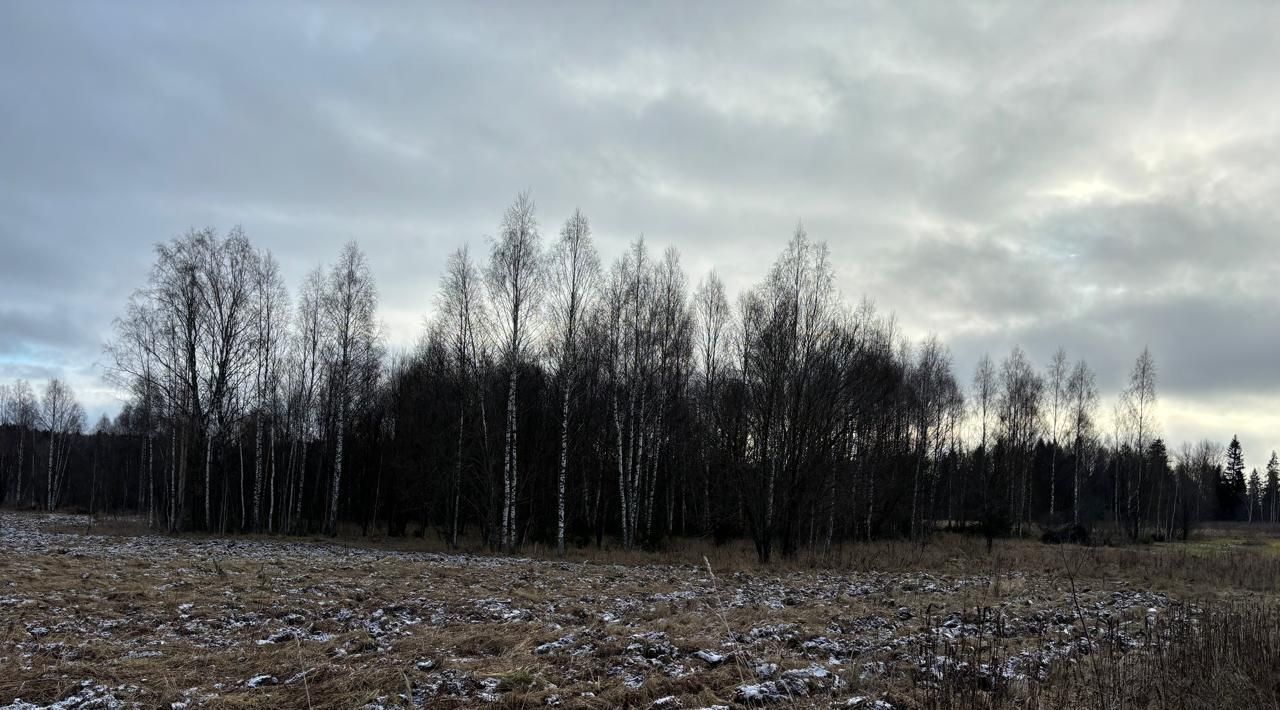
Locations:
{"points": [[555, 400]]}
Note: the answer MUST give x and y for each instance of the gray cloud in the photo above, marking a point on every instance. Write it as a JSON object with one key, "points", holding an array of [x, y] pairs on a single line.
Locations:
{"points": [[1099, 176]]}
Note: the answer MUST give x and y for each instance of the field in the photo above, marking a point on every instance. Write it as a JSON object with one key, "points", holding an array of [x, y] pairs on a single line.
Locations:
{"points": [[105, 615]]}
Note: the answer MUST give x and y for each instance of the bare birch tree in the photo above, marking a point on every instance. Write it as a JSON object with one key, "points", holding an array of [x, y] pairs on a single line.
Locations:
{"points": [[574, 272], [714, 318], [305, 379], [1019, 409], [350, 301], [1137, 411], [1057, 391], [270, 301], [514, 277], [62, 416], [463, 317], [24, 414], [934, 391], [1082, 400]]}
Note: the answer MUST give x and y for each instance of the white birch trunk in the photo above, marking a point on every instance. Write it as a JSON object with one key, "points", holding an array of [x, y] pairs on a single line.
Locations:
{"points": [[507, 463], [564, 463], [271, 499], [151, 486], [244, 520], [1053, 481], [653, 486], [22, 440], [302, 476], [515, 468], [208, 479], [331, 518], [257, 472], [171, 483], [622, 477], [457, 475], [48, 501]]}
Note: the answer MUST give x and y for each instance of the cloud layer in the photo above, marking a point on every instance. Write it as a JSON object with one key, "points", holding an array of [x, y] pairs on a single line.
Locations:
{"points": [[1092, 175]]}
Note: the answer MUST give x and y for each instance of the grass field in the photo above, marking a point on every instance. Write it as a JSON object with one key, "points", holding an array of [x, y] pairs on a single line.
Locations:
{"points": [[104, 614]]}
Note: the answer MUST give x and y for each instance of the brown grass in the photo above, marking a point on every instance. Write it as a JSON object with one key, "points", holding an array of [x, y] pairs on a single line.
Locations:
{"points": [[1230, 635], [1199, 658]]}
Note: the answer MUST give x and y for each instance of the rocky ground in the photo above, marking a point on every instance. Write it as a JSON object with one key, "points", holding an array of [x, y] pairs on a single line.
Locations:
{"points": [[155, 621]]}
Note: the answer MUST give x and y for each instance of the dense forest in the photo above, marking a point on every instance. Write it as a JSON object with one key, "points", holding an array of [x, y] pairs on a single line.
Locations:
{"points": [[556, 399]]}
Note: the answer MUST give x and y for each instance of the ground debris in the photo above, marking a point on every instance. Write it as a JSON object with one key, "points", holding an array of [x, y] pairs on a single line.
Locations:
{"points": [[413, 629]]}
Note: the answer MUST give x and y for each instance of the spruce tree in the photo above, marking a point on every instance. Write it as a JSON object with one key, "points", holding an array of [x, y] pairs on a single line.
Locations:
{"points": [[1255, 493], [1231, 495], [1271, 496], [1233, 477]]}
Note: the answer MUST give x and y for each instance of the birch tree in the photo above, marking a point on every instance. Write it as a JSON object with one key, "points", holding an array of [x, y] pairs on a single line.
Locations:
{"points": [[934, 392], [984, 401], [6, 420], [514, 278], [1057, 395], [463, 317], [226, 269], [788, 333], [176, 291], [134, 367], [673, 340], [269, 318], [625, 291], [62, 416], [766, 419], [1138, 402], [1082, 401], [8, 474], [350, 301], [1019, 411], [714, 318], [574, 273], [302, 374], [24, 414]]}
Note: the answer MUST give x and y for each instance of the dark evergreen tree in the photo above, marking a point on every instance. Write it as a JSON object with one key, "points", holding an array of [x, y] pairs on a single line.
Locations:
{"points": [[1232, 490], [1271, 493], [1254, 494]]}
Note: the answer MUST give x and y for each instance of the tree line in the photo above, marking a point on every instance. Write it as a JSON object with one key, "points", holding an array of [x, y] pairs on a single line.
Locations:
{"points": [[556, 399]]}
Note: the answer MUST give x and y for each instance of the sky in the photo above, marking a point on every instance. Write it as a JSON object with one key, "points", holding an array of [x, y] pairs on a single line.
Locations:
{"points": [[1100, 176]]}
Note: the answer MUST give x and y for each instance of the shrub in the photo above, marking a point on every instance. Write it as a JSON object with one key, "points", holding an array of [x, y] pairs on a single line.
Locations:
{"points": [[1073, 534]]}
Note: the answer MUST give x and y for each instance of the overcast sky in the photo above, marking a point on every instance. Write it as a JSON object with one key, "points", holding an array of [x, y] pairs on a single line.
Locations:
{"points": [[1100, 176]]}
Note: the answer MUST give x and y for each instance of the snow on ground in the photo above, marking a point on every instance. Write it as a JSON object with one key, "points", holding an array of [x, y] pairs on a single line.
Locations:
{"points": [[150, 620]]}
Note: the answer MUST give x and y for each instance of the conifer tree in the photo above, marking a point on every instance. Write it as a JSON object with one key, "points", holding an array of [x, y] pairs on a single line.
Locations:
{"points": [[1255, 493], [1271, 495], [1233, 498]]}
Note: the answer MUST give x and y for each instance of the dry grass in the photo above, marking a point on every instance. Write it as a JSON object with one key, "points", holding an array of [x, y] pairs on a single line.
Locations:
{"points": [[1230, 556], [387, 622], [1196, 658]]}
